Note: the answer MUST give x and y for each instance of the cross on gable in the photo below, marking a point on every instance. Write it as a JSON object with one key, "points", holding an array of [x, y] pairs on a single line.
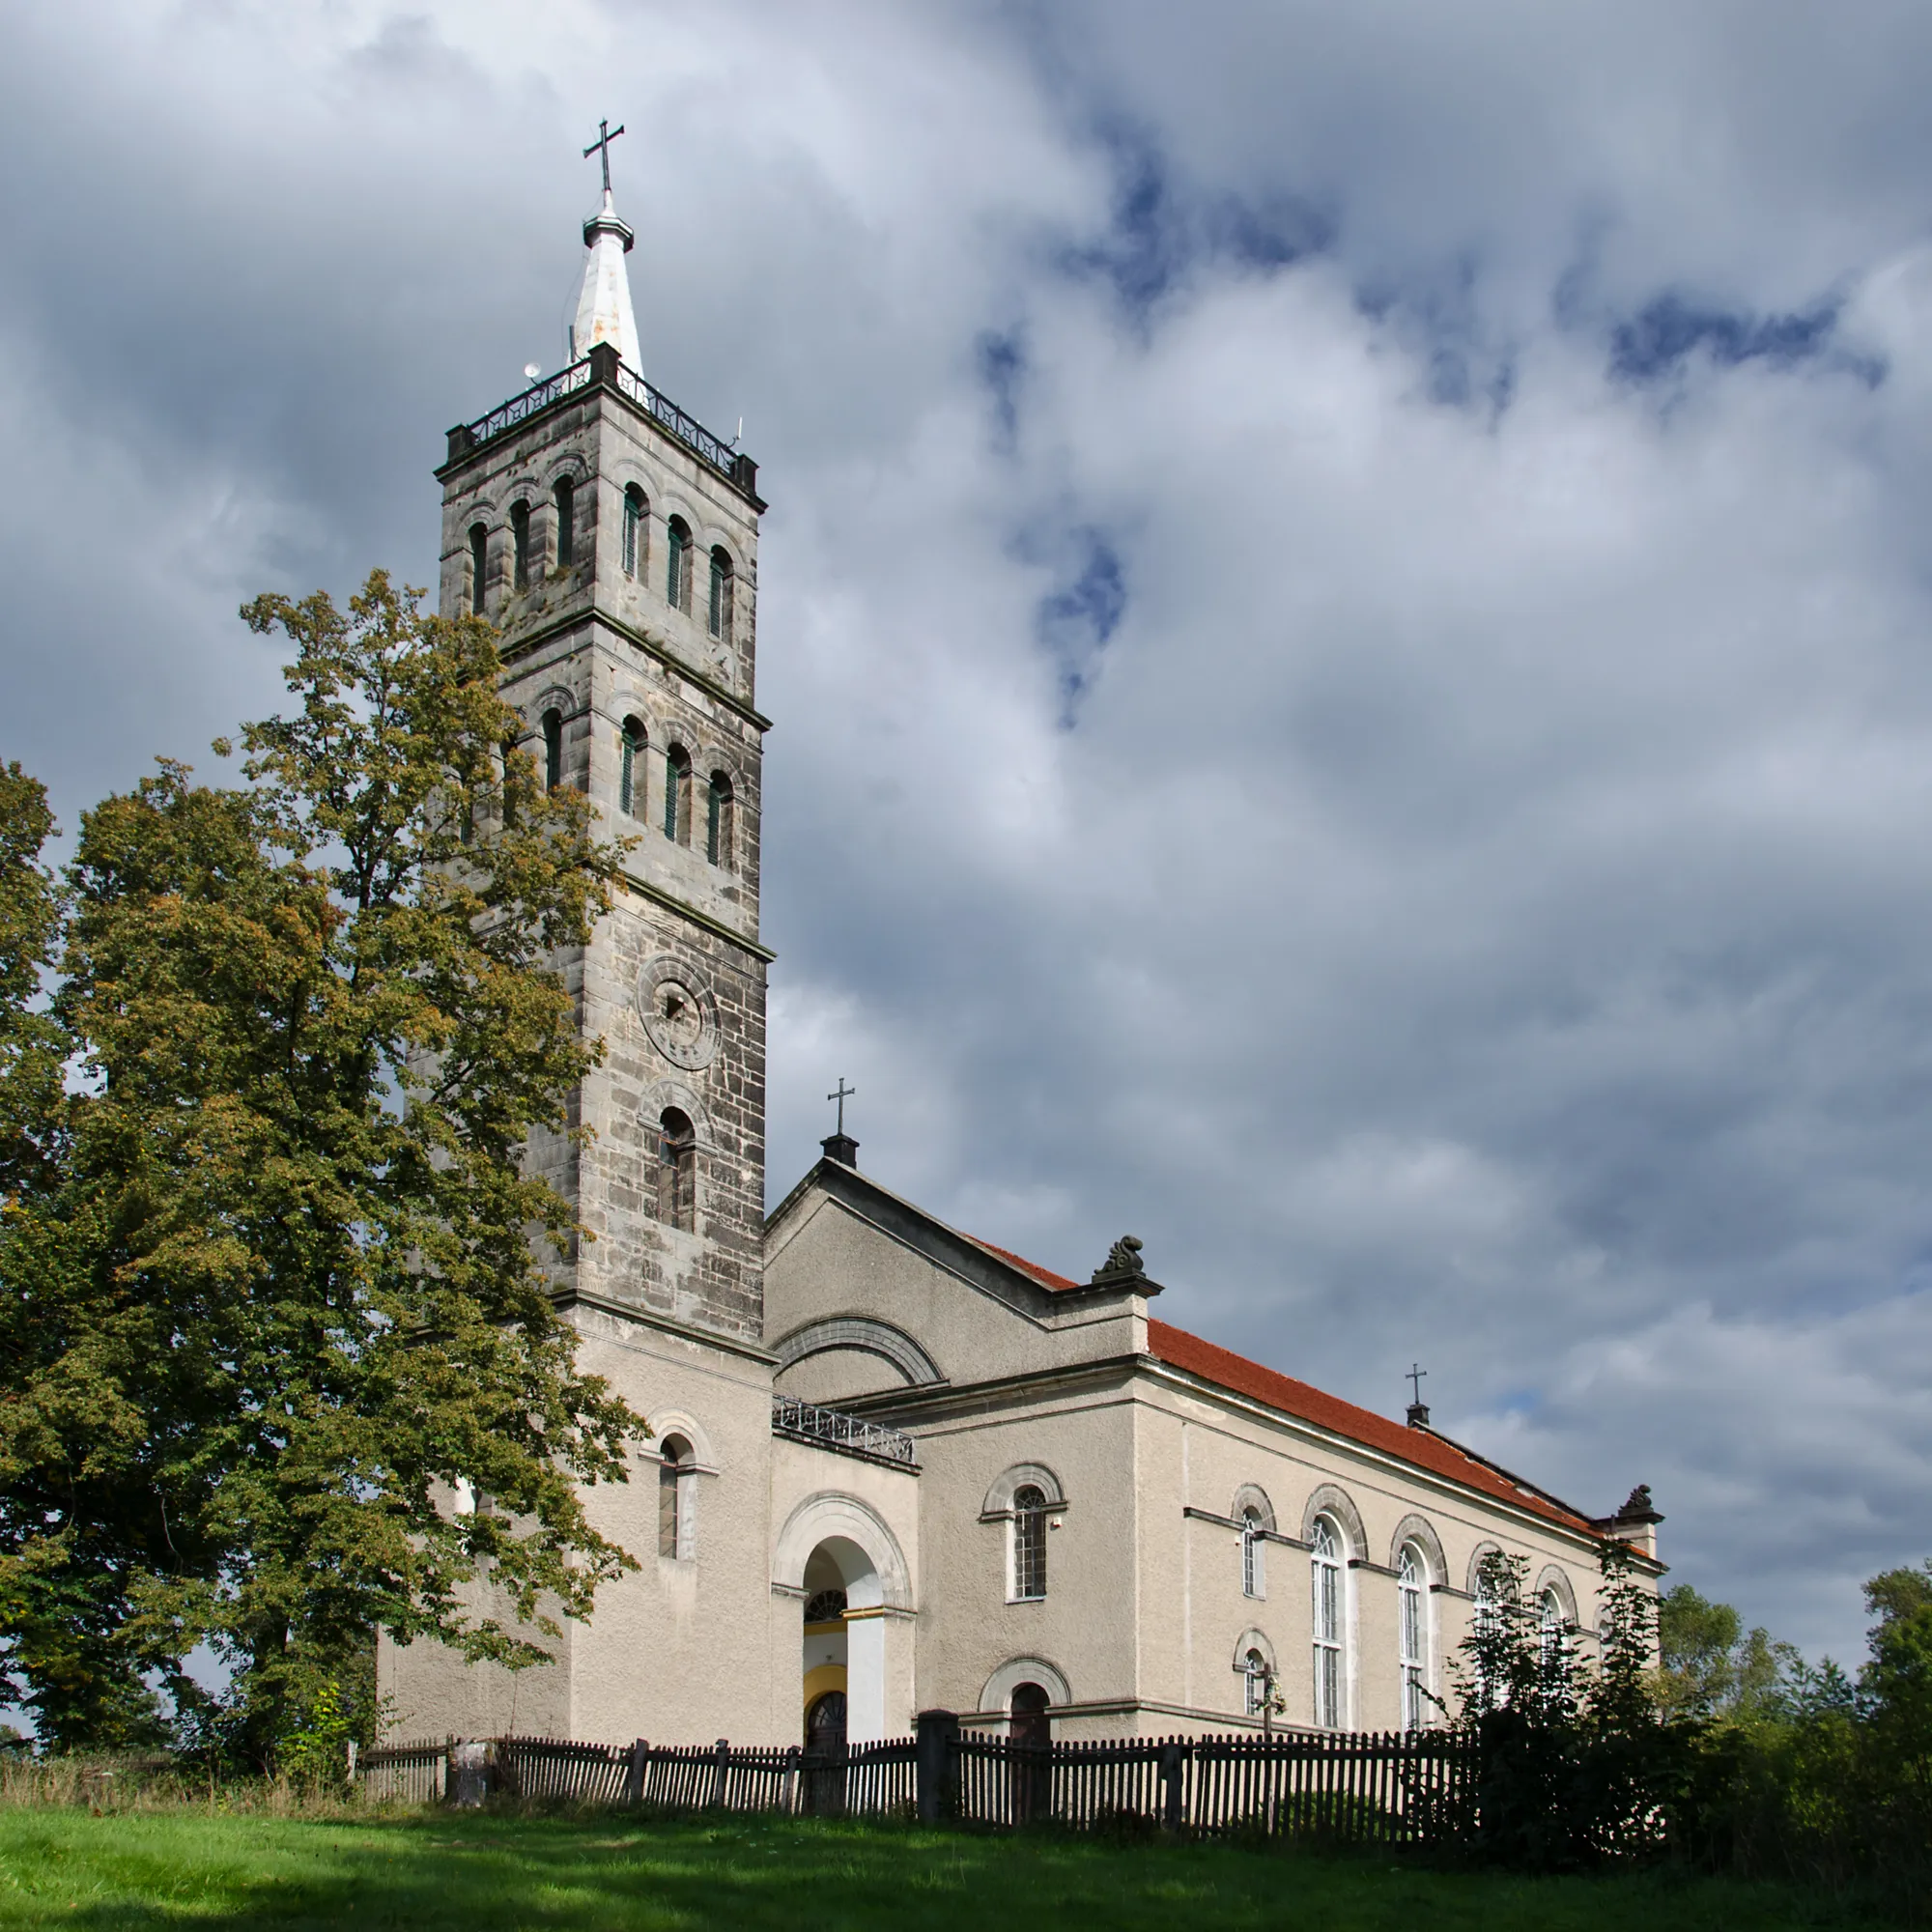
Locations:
{"points": [[843, 1094], [606, 134]]}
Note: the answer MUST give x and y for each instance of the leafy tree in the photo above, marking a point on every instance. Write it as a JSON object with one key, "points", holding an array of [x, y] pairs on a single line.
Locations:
{"points": [[287, 1292], [1711, 1667], [33, 1048]]}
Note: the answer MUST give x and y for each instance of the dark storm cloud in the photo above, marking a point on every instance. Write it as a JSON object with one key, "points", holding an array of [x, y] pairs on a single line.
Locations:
{"points": [[1345, 601]]}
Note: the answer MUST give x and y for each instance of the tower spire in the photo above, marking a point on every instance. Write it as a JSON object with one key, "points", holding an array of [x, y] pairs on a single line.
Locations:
{"points": [[604, 304]]}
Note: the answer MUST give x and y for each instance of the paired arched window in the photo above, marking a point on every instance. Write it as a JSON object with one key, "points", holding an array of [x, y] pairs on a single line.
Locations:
{"points": [[1029, 1543], [677, 794], [563, 495], [1412, 1636], [552, 736], [1324, 1569], [631, 742], [677, 1473], [718, 826], [1256, 1683], [719, 616], [677, 564], [1254, 1553], [479, 569], [634, 529], [677, 1171], [520, 545]]}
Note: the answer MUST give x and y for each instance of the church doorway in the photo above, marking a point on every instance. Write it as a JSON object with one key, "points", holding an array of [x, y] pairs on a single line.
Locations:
{"points": [[844, 1679], [1031, 1728]]}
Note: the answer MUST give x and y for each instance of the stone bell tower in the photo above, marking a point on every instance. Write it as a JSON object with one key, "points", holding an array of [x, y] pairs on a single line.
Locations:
{"points": [[613, 540]]}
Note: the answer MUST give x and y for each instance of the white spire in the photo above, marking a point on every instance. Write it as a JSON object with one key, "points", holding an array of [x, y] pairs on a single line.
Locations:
{"points": [[604, 307]]}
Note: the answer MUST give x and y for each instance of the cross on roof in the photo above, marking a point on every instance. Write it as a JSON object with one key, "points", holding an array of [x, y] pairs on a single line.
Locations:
{"points": [[843, 1094], [1415, 1376], [606, 134]]}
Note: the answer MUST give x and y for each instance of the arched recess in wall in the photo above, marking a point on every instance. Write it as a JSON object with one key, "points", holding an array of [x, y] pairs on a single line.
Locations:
{"points": [[860, 1332], [1552, 1579], [1418, 1531], [666, 1423], [1335, 1504], [829, 1516], [1482, 1549], [1022, 1476], [997, 1695], [1249, 1640], [663, 1093], [1252, 1497]]}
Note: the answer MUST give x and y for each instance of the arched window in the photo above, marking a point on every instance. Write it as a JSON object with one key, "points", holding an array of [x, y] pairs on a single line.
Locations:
{"points": [[564, 494], [1412, 1636], [1255, 1681], [479, 569], [553, 730], [520, 545], [717, 821], [634, 529], [1254, 1553], [720, 615], [1325, 1566], [630, 767], [674, 1477], [1551, 1626], [677, 565], [1029, 1558], [825, 1606], [677, 1171], [509, 755], [677, 794]]}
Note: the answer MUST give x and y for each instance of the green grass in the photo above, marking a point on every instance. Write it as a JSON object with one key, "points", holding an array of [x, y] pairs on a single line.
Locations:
{"points": [[477, 1872]]}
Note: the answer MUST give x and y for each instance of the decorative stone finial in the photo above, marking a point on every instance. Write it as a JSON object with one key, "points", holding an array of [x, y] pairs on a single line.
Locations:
{"points": [[1123, 1261], [1637, 1507]]}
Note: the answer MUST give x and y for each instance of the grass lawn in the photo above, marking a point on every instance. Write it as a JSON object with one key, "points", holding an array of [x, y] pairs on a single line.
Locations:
{"points": [[475, 1872]]}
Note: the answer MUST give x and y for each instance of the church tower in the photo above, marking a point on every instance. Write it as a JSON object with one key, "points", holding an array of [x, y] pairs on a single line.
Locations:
{"points": [[613, 541]]}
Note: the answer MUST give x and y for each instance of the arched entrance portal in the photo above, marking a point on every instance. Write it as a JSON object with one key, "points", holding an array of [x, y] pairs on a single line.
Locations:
{"points": [[844, 1658]]}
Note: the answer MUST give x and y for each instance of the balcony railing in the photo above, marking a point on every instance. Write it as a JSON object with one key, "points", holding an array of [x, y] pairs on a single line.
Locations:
{"points": [[812, 1424], [602, 364]]}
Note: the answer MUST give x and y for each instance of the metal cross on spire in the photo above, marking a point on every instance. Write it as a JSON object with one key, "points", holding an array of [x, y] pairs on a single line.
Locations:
{"points": [[606, 134], [1415, 1376], [843, 1094]]}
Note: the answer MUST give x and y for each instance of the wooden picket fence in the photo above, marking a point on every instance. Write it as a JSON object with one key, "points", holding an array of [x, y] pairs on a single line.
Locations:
{"points": [[1395, 1787]]}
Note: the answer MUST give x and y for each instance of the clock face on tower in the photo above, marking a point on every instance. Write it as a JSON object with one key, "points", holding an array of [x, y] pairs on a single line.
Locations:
{"points": [[680, 1016]]}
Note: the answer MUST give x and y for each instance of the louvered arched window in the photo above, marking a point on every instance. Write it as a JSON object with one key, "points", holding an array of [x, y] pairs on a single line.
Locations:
{"points": [[631, 768], [564, 496], [479, 569], [520, 545], [677, 795], [634, 529], [677, 564], [718, 615], [552, 736]]}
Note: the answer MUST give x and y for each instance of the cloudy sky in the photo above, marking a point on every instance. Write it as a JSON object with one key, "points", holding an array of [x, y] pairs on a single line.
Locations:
{"points": [[1347, 602]]}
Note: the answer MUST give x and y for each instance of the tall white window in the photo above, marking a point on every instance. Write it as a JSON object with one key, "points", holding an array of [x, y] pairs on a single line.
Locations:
{"points": [[1029, 1542], [1324, 1570], [1413, 1637], [1550, 1623], [1255, 1676], [1254, 1553]]}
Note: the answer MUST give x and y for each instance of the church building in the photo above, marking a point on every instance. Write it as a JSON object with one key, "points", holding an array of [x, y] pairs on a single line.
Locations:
{"points": [[893, 1466]]}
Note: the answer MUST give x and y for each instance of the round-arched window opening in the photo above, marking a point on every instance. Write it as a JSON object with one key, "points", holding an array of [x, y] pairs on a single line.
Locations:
{"points": [[825, 1721]]}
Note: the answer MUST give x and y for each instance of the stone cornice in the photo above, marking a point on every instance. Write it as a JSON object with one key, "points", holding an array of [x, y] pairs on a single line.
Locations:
{"points": [[684, 910], [565, 1298], [530, 641]]}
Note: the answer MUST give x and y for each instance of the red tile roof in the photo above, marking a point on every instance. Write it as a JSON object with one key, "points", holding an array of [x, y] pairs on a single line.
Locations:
{"points": [[1427, 1450], [1225, 1370], [1046, 1278]]}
